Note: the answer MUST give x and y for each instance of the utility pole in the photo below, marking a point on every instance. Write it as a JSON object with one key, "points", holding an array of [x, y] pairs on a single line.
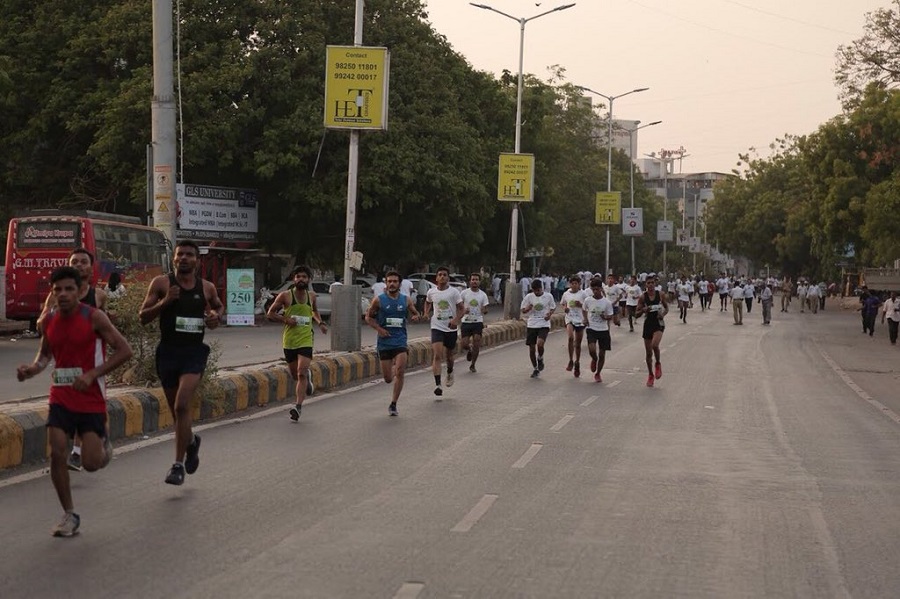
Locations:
{"points": [[162, 115]]}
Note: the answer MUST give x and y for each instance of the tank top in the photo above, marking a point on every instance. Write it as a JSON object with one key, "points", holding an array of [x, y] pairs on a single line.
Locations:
{"points": [[301, 335], [392, 314], [91, 298], [652, 318], [76, 349], [181, 322]]}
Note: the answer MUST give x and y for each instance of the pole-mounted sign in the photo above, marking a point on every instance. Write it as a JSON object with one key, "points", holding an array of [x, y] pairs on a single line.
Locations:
{"points": [[356, 87]]}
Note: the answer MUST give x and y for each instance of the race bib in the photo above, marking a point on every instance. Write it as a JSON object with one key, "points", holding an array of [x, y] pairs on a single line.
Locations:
{"points": [[64, 377], [302, 320], [597, 316], [575, 316], [444, 314], [184, 324], [393, 322]]}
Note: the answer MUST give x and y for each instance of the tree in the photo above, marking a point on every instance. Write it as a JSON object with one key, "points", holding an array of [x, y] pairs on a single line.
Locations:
{"points": [[875, 57]]}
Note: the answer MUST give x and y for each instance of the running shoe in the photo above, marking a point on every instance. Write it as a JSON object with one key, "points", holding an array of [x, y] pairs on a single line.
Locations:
{"points": [[450, 378], [570, 366], [593, 364], [74, 461], [658, 371], [540, 363], [598, 378], [192, 457], [650, 381], [472, 368], [295, 413], [469, 356], [175, 475], [68, 526], [577, 372], [536, 373], [392, 410], [108, 454], [438, 391]]}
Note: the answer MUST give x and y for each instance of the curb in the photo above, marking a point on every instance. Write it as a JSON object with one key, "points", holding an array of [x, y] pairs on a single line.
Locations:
{"points": [[138, 412]]}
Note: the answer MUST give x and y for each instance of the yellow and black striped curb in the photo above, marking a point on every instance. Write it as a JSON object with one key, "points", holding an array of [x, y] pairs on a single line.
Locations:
{"points": [[137, 412]]}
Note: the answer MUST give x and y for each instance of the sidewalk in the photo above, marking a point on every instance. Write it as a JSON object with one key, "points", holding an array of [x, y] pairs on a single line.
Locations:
{"points": [[13, 327]]}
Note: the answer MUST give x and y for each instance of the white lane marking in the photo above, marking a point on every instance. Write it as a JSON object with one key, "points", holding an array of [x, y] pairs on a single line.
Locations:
{"points": [[614, 383], [562, 422], [529, 453], [859, 390], [475, 514], [409, 590], [589, 401], [663, 350]]}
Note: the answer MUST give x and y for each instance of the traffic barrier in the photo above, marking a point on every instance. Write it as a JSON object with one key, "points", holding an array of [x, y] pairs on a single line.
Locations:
{"points": [[138, 412]]}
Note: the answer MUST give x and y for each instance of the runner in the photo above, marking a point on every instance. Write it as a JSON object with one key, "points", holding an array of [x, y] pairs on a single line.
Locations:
{"points": [[653, 304], [74, 338], [185, 305], [724, 286], [475, 306], [598, 311], [448, 310], [388, 314], [572, 301], [703, 290], [611, 291], [82, 261], [684, 289], [298, 313], [539, 307], [632, 294]]}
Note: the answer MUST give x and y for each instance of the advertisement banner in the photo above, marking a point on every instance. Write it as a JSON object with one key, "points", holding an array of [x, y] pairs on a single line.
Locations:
{"points": [[694, 245], [632, 221], [608, 208], [356, 87], [240, 288], [683, 238], [515, 178], [665, 230], [207, 213]]}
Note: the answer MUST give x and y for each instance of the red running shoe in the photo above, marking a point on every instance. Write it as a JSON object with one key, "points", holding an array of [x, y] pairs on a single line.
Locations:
{"points": [[593, 364], [650, 381], [597, 377], [658, 370], [570, 366]]}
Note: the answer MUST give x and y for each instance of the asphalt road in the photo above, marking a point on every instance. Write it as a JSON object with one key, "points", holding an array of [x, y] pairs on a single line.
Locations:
{"points": [[240, 346], [765, 463]]}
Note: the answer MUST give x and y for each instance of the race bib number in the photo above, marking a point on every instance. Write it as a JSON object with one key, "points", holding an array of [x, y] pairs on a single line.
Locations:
{"points": [[64, 377], [575, 315], [393, 322], [302, 320], [597, 316], [184, 324]]}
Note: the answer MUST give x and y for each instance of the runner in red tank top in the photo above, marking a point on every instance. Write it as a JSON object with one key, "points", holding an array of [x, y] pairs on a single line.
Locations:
{"points": [[74, 337]]}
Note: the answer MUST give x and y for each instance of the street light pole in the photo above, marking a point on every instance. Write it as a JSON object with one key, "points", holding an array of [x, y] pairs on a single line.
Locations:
{"points": [[609, 99], [631, 133], [514, 219]]}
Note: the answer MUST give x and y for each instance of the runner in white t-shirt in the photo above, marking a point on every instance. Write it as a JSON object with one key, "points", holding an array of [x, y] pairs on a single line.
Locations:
{"points": [[611, 291], [684, 297], [539, 307], [632, 293], [572, 301], [447, 307], [598, 311], [475, 306]]}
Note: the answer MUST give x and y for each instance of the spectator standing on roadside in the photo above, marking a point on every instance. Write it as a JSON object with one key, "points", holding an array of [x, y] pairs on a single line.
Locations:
{"points": [[737, 303], [892, 312]]}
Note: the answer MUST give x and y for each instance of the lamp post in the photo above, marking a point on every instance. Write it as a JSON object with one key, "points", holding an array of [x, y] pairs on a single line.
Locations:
{"points": [[610, 99], [631, 133], [514, 220]]}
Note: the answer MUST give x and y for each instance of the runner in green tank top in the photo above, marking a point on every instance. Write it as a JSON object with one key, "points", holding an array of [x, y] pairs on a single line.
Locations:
{"points": [[298, 312]]}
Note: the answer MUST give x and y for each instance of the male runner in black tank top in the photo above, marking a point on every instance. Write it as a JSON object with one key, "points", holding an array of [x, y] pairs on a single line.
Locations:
{"points": [[185, 305], [82, 261], [653, 304]]}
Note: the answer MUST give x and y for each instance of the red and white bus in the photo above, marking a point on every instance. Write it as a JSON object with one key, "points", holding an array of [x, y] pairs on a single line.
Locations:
{"points": [[42, 240]]}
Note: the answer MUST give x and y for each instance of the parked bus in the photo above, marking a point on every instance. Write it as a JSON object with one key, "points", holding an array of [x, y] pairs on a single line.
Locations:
{"points": [[43, 239]]}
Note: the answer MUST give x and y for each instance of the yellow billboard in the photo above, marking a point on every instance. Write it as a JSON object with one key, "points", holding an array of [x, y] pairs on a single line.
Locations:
{"points": [[356, 87], [608, 208], [515, 180]]}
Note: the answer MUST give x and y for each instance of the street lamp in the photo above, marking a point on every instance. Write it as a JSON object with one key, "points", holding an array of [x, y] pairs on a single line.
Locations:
{"points": [[514, 222], [610, 99], [631, 132]]}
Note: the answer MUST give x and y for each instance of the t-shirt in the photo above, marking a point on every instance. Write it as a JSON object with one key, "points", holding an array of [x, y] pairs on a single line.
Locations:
{"points": [[378, 288], [737, 293], [683, 290], [596, 308], [892, 309], [573, 300], [612, 292], [474, 303], [542, 306], [444, 303], [722, 285], [703, 287], [632, 293]]}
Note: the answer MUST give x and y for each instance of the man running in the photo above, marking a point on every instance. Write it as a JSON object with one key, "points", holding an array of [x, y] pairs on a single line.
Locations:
{"points": [[74, 335], [611, 291], [475, 306], [298, 313], [598, 311], [723, 285], [388, 314], [185, 305], [573, 304], [632, 294], [684, 290], [653, 304], [539, 307], [447, 305], [82, 261]]}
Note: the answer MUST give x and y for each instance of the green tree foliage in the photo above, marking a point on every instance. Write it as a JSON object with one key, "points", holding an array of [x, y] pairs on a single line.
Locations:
{"points": [[875, 57]]}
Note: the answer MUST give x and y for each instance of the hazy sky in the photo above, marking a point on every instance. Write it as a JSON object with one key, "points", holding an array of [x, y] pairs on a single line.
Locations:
{"points": [[724, 75]]}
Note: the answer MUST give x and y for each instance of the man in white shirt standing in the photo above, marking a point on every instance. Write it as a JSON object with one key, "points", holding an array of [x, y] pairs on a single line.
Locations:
{"points": [[737, 303], [598, 311], [891, 310], [539, 307], [572, 302], [802, 288], [447, 307], [475, 306], [767, 299]]}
